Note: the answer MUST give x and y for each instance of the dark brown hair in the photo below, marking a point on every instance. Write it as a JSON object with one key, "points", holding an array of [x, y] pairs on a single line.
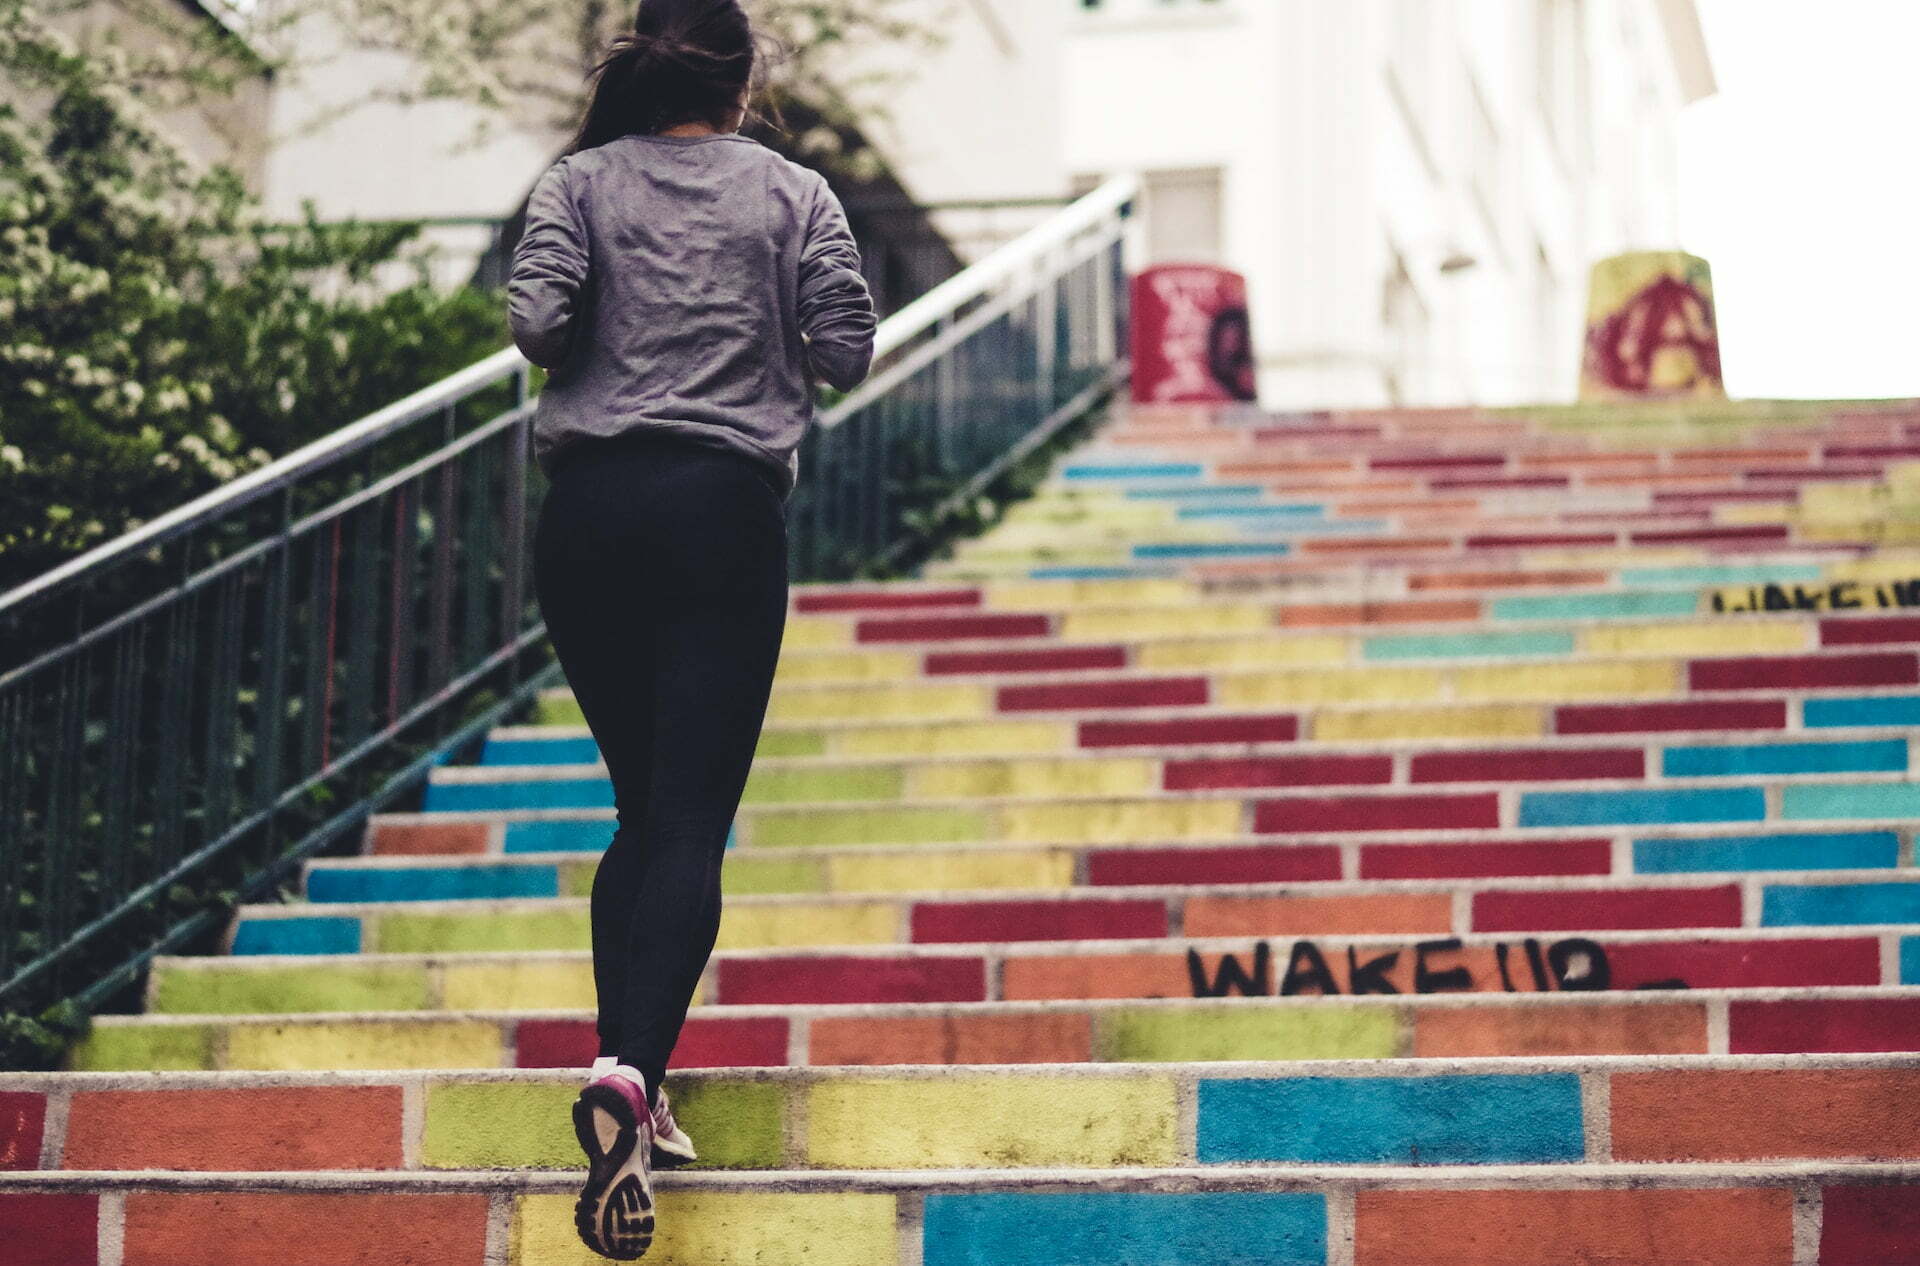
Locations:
{"points": [[684, 61]]}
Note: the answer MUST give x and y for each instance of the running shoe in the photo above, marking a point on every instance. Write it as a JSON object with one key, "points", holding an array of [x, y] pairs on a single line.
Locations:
{"points": [[615, 1127], [671, 1146]]}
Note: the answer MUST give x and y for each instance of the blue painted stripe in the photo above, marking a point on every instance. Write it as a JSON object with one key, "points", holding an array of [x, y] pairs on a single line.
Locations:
{"points": [[432, 883], [1856, 850], [330, 935], [1095, 573], [1155, 470], [1885, 756], [1468, 645], [553, 751], [1478, 1120], [1642, 808], [1910, 960], [1592, 606], [1805, 905], [1253, 512], [1196, 490], [1125, 1228], [1867, 710], [1213, 549], [539, 793], [1850, 801], [560, 835], [1729, 574]]}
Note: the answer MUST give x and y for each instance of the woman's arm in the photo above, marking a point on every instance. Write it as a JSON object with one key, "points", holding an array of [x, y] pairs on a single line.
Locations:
{"points": [[836, 309], [548, 271]]}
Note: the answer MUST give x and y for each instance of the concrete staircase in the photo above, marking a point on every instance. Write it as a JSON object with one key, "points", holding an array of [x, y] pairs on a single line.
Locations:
{"points": [[1365, 839]]}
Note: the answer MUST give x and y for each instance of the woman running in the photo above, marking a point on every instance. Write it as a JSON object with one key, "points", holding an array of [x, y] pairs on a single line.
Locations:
{"points": [[684, 287]]}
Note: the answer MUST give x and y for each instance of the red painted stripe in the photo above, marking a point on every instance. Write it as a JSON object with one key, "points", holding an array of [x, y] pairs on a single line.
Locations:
{"points": [[1870, 1226], [1516, 541], [1272, 434], [951, 922], [1620, 909], [1529, 765], [1686, 499], [1802, 672], [780, 981], [953, 628], [1190, 731], [52, 1228], [1747, 964], [885, 599], [1486, 861], [554, 1044], [1644, 718], [1278, 771], [1297, 815], [705, 1042], [1256, 865], [1813, 474], [1688, 536], [1842, 452], [23, 1116], [1824, 1025], [1059, 659], [1437, 461], [1868, 631], [1514, 481], [1152, 692]]}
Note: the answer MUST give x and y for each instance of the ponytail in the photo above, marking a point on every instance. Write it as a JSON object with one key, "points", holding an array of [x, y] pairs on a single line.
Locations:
{"points": [[684, 61]]}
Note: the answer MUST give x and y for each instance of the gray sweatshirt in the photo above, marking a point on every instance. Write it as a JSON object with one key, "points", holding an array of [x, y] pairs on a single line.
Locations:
{"points": [[698, 285]]}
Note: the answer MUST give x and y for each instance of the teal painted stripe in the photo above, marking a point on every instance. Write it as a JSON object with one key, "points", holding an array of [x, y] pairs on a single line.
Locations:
{"points": [[1214, 549], [1862, 711], [1887, 756], [1468, 645], [1812, 802], [1731, 574], [1125, 1228], [1910, 960], [1144, 470], [1253, 512], [572, 835], [1097, 573], [1595, 606], [544, 793], [553, 751], [1824, 905], [1458, 1120], [431, 883], [1856, 850], [327, 935], [1195, 490], [1642, 808]]}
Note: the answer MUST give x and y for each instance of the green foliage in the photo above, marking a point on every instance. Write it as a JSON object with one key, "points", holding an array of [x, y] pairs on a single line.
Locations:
{"points": [[156, 337]]}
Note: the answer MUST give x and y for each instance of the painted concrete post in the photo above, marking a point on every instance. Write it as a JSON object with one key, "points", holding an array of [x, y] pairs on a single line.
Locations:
{"points": [[1192, 343], [1651, 328]]}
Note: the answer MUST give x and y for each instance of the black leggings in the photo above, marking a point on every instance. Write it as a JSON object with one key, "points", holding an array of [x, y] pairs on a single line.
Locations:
{"points": [[660, 565]]}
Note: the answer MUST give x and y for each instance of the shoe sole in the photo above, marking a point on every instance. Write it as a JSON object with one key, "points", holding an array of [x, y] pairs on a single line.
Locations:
{"points": [[614, 1214]]}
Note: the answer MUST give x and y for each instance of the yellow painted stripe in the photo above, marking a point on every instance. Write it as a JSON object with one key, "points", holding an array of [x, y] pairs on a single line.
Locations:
{"points": [[858, 703], [1726, 637], [962, 1122], [725, 1228], [1121, 821], [1087, 777], [940, 871], [1270, 651], [512, 986], [1568, 681], [804, 668], [771, 927], [1362, 725], [1106, 626], [985, 738], [1050, 595], [360, 1045], [816, 632], [1328, 685]]}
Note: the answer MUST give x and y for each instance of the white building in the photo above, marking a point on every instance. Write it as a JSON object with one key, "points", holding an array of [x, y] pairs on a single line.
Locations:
{"points": [[1414, 188]]}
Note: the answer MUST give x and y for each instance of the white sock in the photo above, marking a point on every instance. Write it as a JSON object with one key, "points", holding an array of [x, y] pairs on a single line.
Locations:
{"points": [[602, 1066]]}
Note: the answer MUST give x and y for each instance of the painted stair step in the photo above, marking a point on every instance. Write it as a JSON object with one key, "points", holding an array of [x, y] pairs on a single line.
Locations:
{"points": [[1812, 899], [439, 873], [1554, 1215], [1286, 966], [1456, 1113]]}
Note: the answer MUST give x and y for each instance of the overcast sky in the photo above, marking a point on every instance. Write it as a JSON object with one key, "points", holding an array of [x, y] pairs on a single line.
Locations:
{"points": [[1800, 186]]}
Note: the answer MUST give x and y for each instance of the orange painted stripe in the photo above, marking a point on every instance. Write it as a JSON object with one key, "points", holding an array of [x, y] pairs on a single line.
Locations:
{"points": [[369, 1228], [1095, 976], [989, 1039], [1505, 579], [1678, 1028], [1405, 611], [254, 1128], [1346, 915], [1730, 1227], [1767, 1114], [420, 839]]}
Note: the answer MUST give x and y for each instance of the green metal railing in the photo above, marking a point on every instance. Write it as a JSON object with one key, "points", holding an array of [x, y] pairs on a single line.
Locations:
{"points": [[191, 710]]}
